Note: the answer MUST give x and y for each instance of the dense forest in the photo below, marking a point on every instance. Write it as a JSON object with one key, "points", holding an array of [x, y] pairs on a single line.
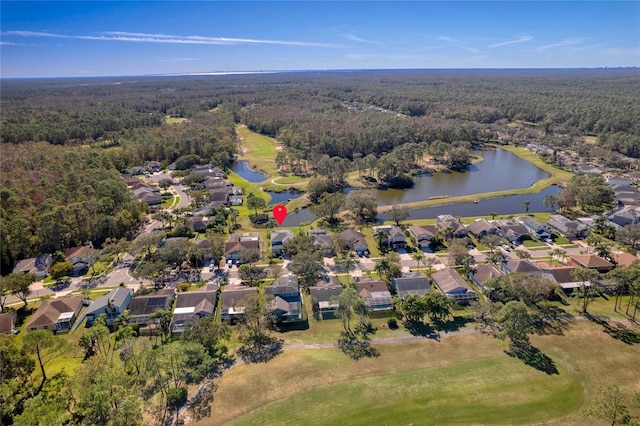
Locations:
{"points": [[64, 141]]}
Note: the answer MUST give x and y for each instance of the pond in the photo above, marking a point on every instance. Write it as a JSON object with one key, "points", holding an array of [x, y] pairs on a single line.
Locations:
{"points": [[283, 197], [500, 170], [242, 169]]}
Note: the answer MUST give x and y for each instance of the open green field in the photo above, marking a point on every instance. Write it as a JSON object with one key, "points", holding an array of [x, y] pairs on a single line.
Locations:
{"points": [[175, 120], [459, 380]]}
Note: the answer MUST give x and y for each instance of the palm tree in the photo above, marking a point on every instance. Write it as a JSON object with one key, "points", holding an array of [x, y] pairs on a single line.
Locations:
{"points": [[429, 262], [493, 215], [526, 204], [382, 266], [558, 253], [418, 256], [382, 236]]}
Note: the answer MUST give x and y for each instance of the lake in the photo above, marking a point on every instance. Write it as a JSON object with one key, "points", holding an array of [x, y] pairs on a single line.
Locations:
{"points": [[242, 169], [500, 170]]}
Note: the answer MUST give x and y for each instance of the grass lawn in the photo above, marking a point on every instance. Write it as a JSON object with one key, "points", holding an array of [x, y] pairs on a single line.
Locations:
{"points": [[458, 380], [533, 244]]}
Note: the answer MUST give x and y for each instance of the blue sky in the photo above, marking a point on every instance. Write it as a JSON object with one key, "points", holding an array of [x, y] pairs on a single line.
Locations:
{"points": [[53, 39]]}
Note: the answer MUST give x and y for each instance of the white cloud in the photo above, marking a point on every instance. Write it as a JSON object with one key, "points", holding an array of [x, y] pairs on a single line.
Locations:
{"points": [[170, 39], [563, 43], [459, 43], [522, 39], [354, 37]]}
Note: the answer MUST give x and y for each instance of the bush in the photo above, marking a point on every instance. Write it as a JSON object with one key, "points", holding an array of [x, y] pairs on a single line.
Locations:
{"points": [[392, 323]]}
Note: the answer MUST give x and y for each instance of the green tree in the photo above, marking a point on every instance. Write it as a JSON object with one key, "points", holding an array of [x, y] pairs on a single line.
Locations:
{"points": [[18, 285], [611, 405], [16, 367], [398, 214], [345, 301], [526, 204], [438, 306], [46, 347], [363, 206], [515, 323], [588, 287], [210, 334], [255, 203], [330, 204], [163, 318], [413, 307]]}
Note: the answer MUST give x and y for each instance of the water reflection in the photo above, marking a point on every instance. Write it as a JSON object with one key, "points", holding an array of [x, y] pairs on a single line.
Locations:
{"points": [[242, 169]]}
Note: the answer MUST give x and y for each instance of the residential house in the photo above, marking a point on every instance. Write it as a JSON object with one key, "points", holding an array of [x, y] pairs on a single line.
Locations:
{"points": [[7, 322], [355, 241], [411, 284], [322, 239], [391, 235], [219, 198], [56, 315], [279, 238], [78, 258], [231, 301], [239, 243], [142, 307], [522, 266], [39, 266], [154, 166], [424, 236], [562, 276], [482, 227], [207, 170], [452, 285], [193, 305], [536, 228], [625, 216], [591, 261], [321, 295], [287, 301], [512, 231], [376, 294], [484, 272], [112, 304], [625, 259], [567, 227], [457, 229], [198, 223], [205, 246]]}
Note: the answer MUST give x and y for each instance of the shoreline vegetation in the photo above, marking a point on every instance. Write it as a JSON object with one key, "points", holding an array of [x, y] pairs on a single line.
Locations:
{"points": [[259, 152]]}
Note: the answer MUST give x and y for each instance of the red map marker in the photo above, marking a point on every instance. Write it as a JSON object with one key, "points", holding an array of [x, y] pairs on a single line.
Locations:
{"points": [[280, 213]]}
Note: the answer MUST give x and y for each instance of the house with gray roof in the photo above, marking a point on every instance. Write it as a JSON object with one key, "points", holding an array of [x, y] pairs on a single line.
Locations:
{"points": [[523, 266], [481, 228], [452, 285], [391, 235], [625, 216], [142, 307], [38, 266], [231, 301], [567, 227], [536, 228], [193, 305], [322, 239], [447, 221], [112, 304], [287, 301], [411, 284], [279, 238], [355, 241], [321, 295]]}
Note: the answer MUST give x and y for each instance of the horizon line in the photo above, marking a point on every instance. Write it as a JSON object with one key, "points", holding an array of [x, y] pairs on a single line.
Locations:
{"points": [[321, 70]]}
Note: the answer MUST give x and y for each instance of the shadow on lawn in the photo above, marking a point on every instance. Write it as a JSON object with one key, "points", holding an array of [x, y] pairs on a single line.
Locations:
{"points": [[616, 330], [551, 319], [356, 348], [418, 328], [533, 357], [455, 324], [263, 351]]}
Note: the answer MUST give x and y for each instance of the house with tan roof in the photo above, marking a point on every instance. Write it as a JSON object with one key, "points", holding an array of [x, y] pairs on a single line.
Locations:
{"points": [[238, 243], [7, 322], [452, 285], [424, 236], [375, 293], [591, 261], [625, 259], [523, 266], [56, 315], [484, 272]]}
